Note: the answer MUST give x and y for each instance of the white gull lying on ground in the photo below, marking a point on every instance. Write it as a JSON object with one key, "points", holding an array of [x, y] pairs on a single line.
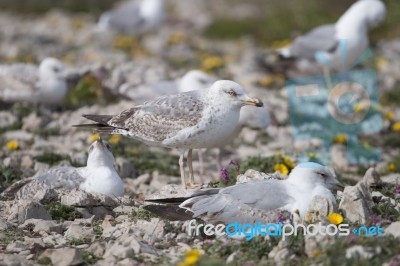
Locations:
{"points": [[29, 83], [340, 45], [134, 17], [250, 202], [191, 120], [99, 176]]}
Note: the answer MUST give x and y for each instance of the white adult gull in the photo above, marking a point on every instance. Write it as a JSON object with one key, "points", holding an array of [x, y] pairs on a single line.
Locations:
{"points": [[340, 45], [28, 83], [134, 17], [249, 202], [99, 176], [191, 120]]}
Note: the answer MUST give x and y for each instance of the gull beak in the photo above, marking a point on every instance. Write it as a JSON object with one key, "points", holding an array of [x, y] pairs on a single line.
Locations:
{"points": [[338, 186], [253, 102]]}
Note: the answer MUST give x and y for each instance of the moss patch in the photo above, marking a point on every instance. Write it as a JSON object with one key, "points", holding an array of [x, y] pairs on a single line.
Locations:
{"points": [[59, 211]]}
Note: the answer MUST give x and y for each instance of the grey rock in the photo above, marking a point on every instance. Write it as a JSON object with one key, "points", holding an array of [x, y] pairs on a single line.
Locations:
{"points": [[14, 260], [97, 249], [63, 256], [314, 244], [124, 167], [76, 231], [43, 226], [7, 119], [169, 191], [372, 178], [26, 209], [153, 230], [34, 123], [393, 229], [362, 252], [17, 246], [392, 179], [280, 253], [356, 203], [319, 208], [54, 240], [78, 198]]}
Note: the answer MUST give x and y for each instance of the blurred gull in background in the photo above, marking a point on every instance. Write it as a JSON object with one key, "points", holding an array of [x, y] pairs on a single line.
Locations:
{"points": [[28, 83], [341, 45], [133, 18]]}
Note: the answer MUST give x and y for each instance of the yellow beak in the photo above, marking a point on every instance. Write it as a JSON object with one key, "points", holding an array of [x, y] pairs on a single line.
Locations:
{"points": [[254, 102]]}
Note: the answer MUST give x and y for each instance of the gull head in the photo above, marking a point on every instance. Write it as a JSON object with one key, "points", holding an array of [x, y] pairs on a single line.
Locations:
{"points": [[51, 68], [231, 93], [195, 80], [100, 154], [374, 12], [313, 174]]}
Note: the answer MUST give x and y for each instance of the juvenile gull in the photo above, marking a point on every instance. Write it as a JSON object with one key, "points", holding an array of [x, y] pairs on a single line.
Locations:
{"points": [[343, 44], [191, 120], [134, 17], [99, 176], [249, 202], [29, 83], [250, 116]]}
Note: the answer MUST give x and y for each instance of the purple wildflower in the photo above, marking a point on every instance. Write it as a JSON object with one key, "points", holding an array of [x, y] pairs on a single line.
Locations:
{"points": [[280, 218], [375, 219], [397, 190], [224, 174], [236, 164]]}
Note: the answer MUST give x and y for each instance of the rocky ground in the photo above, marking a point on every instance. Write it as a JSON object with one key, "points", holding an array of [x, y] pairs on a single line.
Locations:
{"points": [[75, 228]]}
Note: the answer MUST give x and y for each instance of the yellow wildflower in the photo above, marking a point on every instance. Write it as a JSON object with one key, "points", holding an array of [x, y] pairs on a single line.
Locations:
{"points": [[266, 81], [389, 116], [114, 139], [315, 253], [358, 107], [191, 258], [212, 62], [176, 38], [341, 138], [94, 137], [311, 155], [381, 63], [12, 145], [123, 42], [280, 43], [335, 218], [281, 168], [391, 167], [396, 126], [288, 162]]}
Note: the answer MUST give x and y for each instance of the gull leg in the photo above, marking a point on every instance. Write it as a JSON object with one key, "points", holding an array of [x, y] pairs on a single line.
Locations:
{"points": [[201, 161], [190, 161], [327, 77], [219, 158], [182, 169]]}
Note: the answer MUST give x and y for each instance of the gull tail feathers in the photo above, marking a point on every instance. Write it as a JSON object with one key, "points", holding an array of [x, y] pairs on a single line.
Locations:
{"points": [[170, 212], [101, 125], [101, 119]]}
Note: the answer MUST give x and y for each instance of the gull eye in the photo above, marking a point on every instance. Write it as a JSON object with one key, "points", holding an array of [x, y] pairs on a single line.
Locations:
{"points": [[323, 175], [231, 93]]}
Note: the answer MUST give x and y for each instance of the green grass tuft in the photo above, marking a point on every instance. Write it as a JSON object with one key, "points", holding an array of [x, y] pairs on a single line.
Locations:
{"points": [[59, 211]]}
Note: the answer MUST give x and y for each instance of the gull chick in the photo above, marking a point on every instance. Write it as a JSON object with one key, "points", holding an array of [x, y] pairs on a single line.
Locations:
{"points": [[99, 176], [134, 17], [45, 84], [191, 120], [342, 44], [248, 202]]}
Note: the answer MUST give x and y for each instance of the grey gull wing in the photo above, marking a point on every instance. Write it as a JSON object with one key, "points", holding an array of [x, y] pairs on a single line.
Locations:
{"points": [[245, 202], [321, 38], [126, 18]]}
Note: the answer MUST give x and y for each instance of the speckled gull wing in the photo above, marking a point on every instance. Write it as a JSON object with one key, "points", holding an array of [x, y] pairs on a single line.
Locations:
{"points": [[58, 177], [160, 119], [321, 39], [247, 202]]}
